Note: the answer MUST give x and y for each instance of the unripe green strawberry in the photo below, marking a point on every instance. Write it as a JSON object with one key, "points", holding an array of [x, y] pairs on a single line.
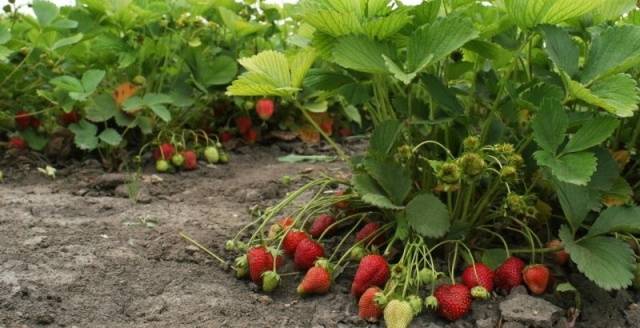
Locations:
{"points": [[431, 303], [357, 253], [398, 314], [211, 154], [479, 292], [162, 166], [270, 281], [472, 164], [471, 143], [230, 245], [427, 276], [509, 173], [449, 173], [177, 160], [241, 266], [416, 304], [139, 80], [224, 157]]}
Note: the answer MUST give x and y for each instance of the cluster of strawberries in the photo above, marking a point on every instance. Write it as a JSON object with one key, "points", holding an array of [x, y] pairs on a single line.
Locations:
{"points": [[23, 120], [168, 158], [453, 301], [373, 283], [308, 255], [265, 108]]}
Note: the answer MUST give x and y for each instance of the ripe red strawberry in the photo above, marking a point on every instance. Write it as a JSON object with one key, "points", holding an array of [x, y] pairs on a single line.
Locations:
{"points": [[482, 275], [368, 308], [225, 136], [327, 126], [368, 231], [164, 151], [190, 160], [23, 120], [560, 257], [69, 118], [373, 270], [316, 281], [17, 143], [260, 260], [35, 122], [291, 241], [509, 274], [537, 278], [345, 132], [251, 136], [243, 123], [265, 108], [320, 225], [454, 301], [307, 252]]}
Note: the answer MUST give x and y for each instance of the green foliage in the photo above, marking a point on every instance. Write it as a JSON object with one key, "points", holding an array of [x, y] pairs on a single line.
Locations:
{"points": [[428, 216], [271, 73], [605, 260], [529, 13]]}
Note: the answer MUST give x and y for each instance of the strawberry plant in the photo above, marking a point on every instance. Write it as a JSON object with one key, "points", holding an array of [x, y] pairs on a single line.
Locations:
{"points": [[493, 124]]}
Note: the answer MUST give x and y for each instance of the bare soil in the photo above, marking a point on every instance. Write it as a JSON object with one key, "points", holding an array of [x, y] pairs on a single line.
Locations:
{"points": [[77, 251]]}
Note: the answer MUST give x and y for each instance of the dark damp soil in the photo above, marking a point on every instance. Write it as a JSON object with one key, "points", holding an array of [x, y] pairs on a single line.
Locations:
{"points": [[77, 251]]}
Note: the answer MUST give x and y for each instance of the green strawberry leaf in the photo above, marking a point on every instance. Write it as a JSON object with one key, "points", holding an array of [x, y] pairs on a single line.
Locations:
{"points": [[85, 135], [606, 261], [384, 138], [617, 219], [361, 54], [576, 168], [110, 137], [562, 50], [591, 134], [615, 50], [550, 125], [529, 13], [101, 109], [394, 179], [371, 193], [428, 216], [617, 94], [576, 201]]}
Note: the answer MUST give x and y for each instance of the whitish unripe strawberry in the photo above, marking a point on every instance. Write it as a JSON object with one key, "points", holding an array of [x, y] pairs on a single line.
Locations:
{"points": [[398, 314], [162, 166], [211, 154], [270, 281], [416, 304], [177, 160]]}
